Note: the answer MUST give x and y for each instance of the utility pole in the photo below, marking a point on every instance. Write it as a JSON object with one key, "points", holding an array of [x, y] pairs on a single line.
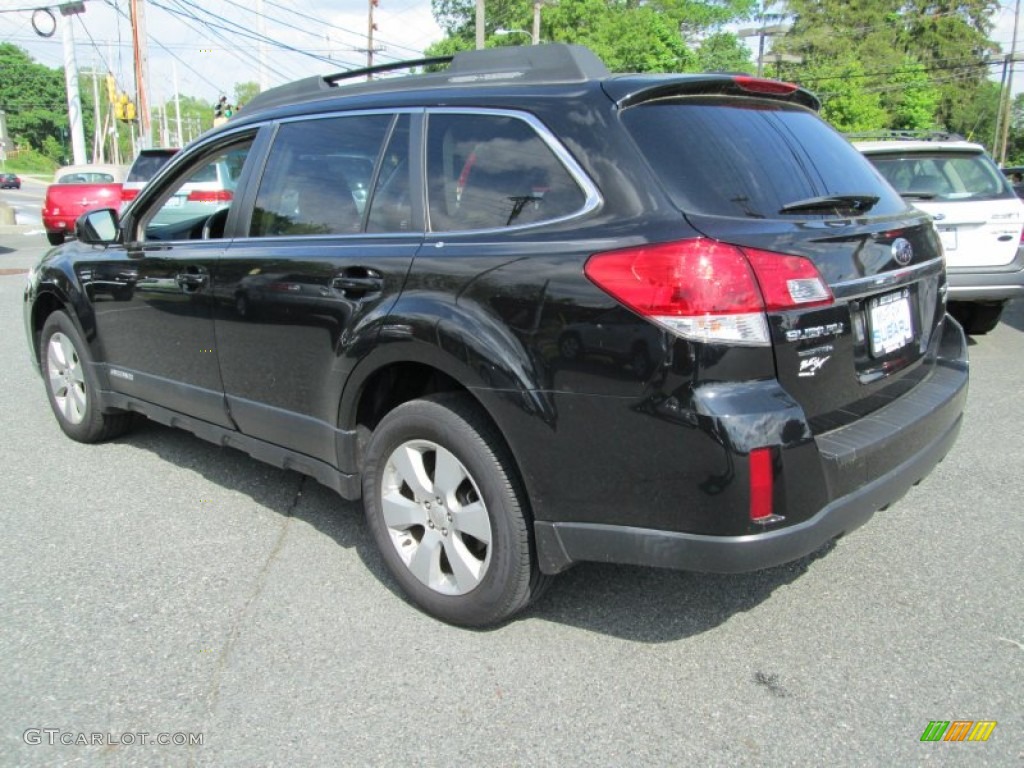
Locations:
{"points": [[67, 12], [1008, 95], [536, 21], [479, 24], [138, 17], [97, 129], [180, 138], [263, 81]]}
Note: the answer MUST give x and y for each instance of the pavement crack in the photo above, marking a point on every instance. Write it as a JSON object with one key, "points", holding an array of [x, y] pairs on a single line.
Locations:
{"points": [[213, 697]]}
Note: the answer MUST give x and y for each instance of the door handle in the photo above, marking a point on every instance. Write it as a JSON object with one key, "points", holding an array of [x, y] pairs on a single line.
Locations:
{"points": [[192, 279], [358, 281]]}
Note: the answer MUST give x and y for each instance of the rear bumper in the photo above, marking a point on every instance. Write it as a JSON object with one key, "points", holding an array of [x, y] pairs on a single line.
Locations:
{"points": [[919, 429], [991, 284]]}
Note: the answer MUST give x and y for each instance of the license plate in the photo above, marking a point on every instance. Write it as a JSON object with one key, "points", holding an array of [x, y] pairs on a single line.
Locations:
{"points": [[948, 237], [890, 322]]}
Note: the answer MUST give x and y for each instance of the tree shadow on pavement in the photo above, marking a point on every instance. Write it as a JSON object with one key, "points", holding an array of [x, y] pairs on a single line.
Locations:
{"points": [[645, 605]]}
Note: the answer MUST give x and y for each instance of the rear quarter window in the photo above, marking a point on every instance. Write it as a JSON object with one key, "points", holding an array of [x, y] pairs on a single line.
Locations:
{"points": [[748, 158]]}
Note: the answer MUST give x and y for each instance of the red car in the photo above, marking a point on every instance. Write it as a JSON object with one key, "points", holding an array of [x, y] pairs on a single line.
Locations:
{"points": [[77, 189]]}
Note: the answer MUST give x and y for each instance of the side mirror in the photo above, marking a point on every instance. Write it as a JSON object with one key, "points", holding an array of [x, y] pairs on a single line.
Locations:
{"points": [[98, 227]]}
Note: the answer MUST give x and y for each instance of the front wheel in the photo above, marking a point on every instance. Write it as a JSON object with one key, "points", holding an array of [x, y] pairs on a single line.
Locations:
{"points": [[445, 506], [71, 384]]}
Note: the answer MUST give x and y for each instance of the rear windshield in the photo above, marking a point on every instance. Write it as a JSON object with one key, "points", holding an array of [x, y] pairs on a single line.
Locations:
{"points": [[943, 175], [146, 166], [87, 177], [723, 156]]}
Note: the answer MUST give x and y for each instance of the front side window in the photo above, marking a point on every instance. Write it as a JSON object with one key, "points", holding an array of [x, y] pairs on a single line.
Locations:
{"points": [[319, 175], [197, 203], [488, 171]]}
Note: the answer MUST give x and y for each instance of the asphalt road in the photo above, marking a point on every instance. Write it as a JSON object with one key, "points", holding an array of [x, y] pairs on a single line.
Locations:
{"points": [[161, 585]]}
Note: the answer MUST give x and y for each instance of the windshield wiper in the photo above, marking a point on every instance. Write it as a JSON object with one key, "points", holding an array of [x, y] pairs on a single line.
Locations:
{"points": [[855, 203]]}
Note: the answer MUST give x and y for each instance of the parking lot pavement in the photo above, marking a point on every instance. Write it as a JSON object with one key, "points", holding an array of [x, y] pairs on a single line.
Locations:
{"points": [[158, 584]]}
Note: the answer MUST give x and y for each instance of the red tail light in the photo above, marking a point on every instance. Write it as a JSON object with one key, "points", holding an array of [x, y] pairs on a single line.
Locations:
{"points": [[128, 195], [761, 484], [761, 85], [213, 196], [705, 290]]}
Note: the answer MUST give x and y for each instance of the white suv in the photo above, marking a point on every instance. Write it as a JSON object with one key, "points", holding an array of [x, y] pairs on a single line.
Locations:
{"points": [[976, 211]]}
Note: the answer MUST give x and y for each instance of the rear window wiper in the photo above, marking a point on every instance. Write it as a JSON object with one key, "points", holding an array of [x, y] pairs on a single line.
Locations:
{"points": [[825, 203]]}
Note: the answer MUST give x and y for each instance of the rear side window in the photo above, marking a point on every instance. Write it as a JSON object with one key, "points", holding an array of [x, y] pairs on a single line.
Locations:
{"points": [[318, 176], [750, 158], [488, 171], [944, 175]]}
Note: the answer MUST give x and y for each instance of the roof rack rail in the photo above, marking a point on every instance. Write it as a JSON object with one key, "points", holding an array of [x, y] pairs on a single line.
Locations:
{"points": [[390, 67], [548, 63], [904, 135]]}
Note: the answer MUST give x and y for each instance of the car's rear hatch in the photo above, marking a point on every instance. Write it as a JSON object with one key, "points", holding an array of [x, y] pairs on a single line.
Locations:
{"points": [[978, 214], [749, 164]]}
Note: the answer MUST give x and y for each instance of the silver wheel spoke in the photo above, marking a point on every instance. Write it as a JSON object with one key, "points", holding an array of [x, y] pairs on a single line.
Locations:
{"points": [[448, 474], [57, 385], [466, 569], [472, 519], [68, 352], [425, 563], [401, 513], [408, 462], [76, 396]]}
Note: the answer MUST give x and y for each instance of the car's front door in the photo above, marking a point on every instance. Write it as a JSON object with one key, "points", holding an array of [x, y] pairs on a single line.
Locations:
{"points": [[152, 297], [309, 277]]}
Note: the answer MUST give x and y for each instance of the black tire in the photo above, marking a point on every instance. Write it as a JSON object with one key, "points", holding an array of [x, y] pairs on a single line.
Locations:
{"points": [[71, 384], [570, 346], [977, 319], [55, 238], [476, 572]]}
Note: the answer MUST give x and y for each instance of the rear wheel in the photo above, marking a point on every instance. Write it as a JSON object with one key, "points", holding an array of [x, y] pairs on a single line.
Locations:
{"points": [[977, 318], [71, 384], [445, 506], [55, 238]]}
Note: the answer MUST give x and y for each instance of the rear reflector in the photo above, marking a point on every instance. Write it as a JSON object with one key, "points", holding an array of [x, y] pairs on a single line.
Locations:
{"points": [[761, 85], [704, 290], [213, 196], [128, 194], [761, 484]]}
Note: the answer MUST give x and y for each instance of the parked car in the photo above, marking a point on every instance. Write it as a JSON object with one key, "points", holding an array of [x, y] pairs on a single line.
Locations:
{"points": [[10, 181], [402, 334], [143, 168], [75, 190], [979, 216]]}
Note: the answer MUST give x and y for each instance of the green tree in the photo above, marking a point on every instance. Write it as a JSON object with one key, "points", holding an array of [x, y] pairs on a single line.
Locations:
{"points": [[32, 95], [246, 92], [912, 99], [629, 35], [947, 42], [845, 101]]}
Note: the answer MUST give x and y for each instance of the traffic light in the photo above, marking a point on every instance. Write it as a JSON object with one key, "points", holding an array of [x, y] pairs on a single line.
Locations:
{"points": [[129, 111], [111, 89], [228, 110], [222, 105], [119, 106]]}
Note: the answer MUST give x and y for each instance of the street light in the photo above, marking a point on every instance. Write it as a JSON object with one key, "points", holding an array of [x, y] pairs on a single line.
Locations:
{"points": [[503, 32]]}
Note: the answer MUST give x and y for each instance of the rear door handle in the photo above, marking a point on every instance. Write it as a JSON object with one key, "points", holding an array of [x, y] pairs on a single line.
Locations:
{"points": [[358, 281], [192, 279]]}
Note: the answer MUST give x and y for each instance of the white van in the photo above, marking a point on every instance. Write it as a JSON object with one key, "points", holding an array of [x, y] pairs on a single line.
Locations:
{"points": [[979, 217]]}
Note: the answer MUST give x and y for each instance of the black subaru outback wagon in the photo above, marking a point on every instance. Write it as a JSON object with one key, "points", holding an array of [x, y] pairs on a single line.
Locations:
{"points": [[531, 312]]}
